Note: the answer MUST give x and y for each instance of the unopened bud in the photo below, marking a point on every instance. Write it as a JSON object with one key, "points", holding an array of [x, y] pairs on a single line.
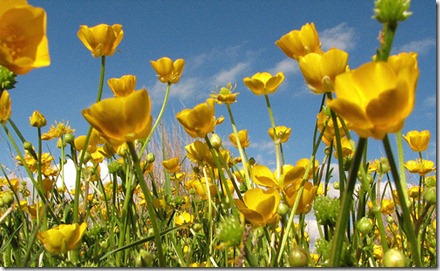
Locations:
{"points": [[37, 119]]}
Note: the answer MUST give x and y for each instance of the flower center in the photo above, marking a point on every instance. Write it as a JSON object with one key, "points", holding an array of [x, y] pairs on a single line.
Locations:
{"points": [[12, 42]]}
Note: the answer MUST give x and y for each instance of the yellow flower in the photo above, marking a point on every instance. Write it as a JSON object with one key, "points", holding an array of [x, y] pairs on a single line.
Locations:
{"points": [[167, 70], [200, 120], [320, 70], [376, 98], [418, 140], [415, 191], [259, 206], [171, 165], [183, 218], [264, 82], [304, 162], [121, 119], [5, 106], [347, 146], [57, 131], [225, 95], [242, 137], [299, 43], [201, 189], [37, 119], [62, 238], [261, 175], [101, 39], [422, 167], [23, 41], [307, 197], [282, 133], [387, 206], [329, 132], [123, 86], [94, 140]]}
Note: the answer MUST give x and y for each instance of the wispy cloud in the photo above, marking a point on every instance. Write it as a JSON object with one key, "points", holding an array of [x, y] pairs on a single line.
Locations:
{"points": [[231, 75], [341, 36], [287, 66], [422, 47], [430, 101]]}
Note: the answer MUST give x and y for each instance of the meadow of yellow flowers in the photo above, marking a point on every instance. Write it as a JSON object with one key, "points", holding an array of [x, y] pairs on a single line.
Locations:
{"points": [[205, 207]]}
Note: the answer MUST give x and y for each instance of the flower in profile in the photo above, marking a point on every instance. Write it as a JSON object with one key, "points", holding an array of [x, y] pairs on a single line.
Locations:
{"points": [[37, 119], [422, 167], [62, 238], [376, 98], [320, 70], [101, 39], [323, 119], [5, 106], [200, 120], [304, 163], [23, 40], [387, 206], [259, 206], [121, 119], [282, 133], [167, 70], [226, 95], [264, 82], [243, 138], [307, 197], [299, 43], [123, 86], [183, 218], [57, 130], [261, 175], [201, 187], [171, 165], [418, 140], [94, 140]]}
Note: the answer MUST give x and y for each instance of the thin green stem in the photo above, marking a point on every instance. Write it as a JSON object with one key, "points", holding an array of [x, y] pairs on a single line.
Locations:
{"points": [[148, 198], [275, 137], [347, 198], [406, 213]]}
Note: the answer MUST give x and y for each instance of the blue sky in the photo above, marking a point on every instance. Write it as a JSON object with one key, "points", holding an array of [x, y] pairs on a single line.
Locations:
{"points": [[221, 42]]}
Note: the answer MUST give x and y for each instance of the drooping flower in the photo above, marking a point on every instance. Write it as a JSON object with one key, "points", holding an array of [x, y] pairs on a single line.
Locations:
{"points": [[62, 238], [259, 206], [376, 98], [282, 133], [123, 86], [264, 83], [5, 106], [200, 120], [243, 138], [102, 39], [167, 70], [418, 140], [320, 70], [23, 40], [121, 119], [307, 197], [299, 43]]}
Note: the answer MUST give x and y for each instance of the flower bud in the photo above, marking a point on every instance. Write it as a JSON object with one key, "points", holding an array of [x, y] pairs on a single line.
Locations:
{"points": [[430, 181], [430, 195], [37, 119], [144, 258], [230, 231], [114, 167], [336, 185], [283, 209], [150, 158], [391, 11], [364, 225], [27, 146], [69, 138], [394, 258], [298, 257], [216, 141], [7, 78], [7, 198]]}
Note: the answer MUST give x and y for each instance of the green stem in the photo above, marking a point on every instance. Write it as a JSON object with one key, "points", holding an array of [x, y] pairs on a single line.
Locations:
{"points": [[159, 117], [401, 191], [275, 137], [148, 198], [347, 198]]}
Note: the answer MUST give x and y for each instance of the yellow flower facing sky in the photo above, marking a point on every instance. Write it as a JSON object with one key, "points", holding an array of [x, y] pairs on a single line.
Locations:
{"points": [[282, 133], [200, 120], [62, 238], [376, 98], [418, 140], [121, 119], [320, 70], [242, 137], [171, 165], [298, 43], [102, 39], [307, 197], [167, 70], [23, 41], [123, 86], [264, 83]]}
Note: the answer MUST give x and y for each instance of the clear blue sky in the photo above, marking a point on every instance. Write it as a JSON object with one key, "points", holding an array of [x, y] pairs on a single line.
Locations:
{"points": [[221, 41]]}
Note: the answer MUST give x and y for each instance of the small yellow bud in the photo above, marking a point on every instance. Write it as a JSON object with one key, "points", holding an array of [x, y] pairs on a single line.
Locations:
{"points": [[37, 119]]}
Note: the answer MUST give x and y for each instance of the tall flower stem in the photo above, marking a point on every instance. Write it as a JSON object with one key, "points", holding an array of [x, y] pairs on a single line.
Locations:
{"points": [[347, 198], [276, 140], [240, 148], [406, 213], [148, 198], [159, 117]]}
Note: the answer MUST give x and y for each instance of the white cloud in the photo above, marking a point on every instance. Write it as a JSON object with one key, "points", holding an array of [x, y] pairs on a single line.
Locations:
{"points": [[287, 66], [232, 75], [430, 101], [70, 174], [341, 36], [422, 47]]}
